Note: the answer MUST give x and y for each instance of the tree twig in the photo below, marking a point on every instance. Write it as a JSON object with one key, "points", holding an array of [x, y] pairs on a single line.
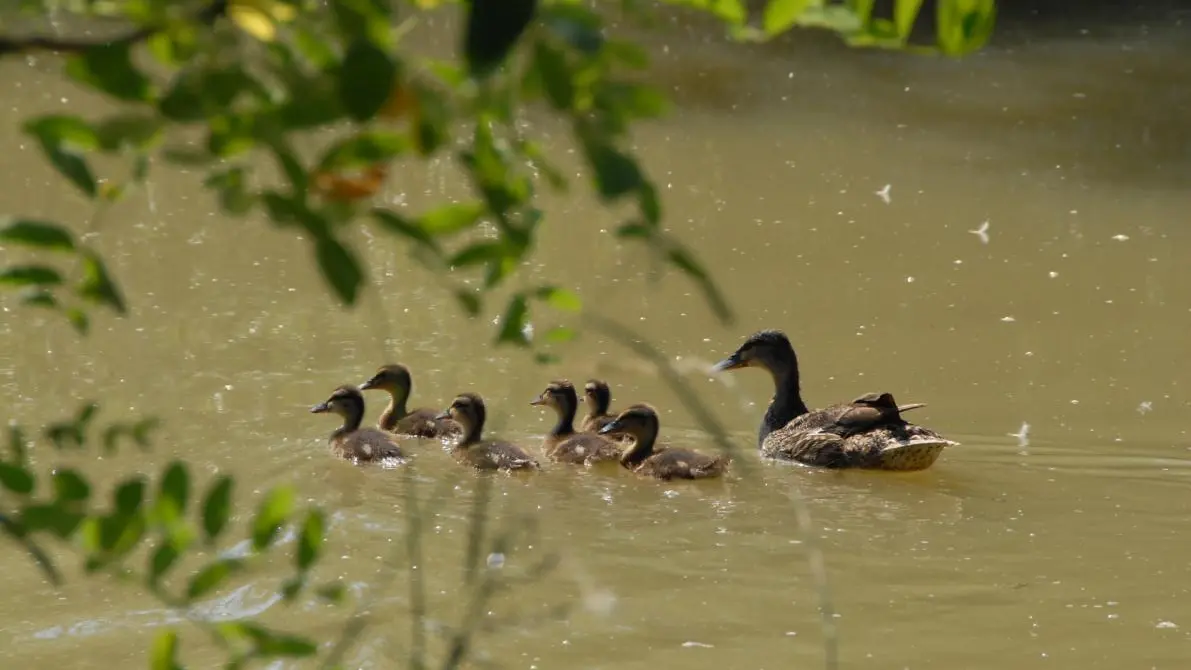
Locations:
{"points": [[21, 45]]}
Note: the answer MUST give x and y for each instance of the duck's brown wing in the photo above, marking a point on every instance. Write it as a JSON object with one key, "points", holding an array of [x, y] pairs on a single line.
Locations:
{"points": [[677, 463], [500, 456], [423, 422], [897, 446], [584, 448], [366, 445]]}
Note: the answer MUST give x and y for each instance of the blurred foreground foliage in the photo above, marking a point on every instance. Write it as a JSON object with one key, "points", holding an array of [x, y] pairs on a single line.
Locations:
{"points": [[330, 94]]}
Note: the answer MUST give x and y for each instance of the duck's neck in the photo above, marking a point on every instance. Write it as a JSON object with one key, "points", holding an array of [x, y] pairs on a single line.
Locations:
{"points": [[642, 447], [566, 420], [396, 410], [787, 403], [353, 415], [472, 431]]}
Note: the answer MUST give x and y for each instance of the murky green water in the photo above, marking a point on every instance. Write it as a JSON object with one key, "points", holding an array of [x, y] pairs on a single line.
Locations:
{"points": [[1068, 551]]}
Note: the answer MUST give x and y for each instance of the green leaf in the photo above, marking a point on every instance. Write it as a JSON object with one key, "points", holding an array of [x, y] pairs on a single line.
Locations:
{"points": [[904, 14], [363, 18], [616, 173], [332, 592], [53, 518], [560, 334], [576, 25], [183, 102], [551, 65], [310, 541], [232, 186], [649, 203], [175, 490], [109, 68], [132, 130], [129, 496], [452, 218], [493, 27], [365, 79], [339, 267], [469, 301], [210, 577], [365, 148], [30, 275], [269, 644], [70, 486], [16, 479], [514, 321], [97, 285], [292, 587], [781, 15], [78, 319], [164, 654], [18, 534], [163, 558], [560, 298], [61, 138], [399, 225], [217, 507], [37, 234], [39, 297], [188, 156], [637, 100], [272, 513], [964, 25], [476, 254]]}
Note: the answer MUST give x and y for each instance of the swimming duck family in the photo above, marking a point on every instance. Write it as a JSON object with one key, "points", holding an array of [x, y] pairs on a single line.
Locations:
{"points": [[867, 432]]}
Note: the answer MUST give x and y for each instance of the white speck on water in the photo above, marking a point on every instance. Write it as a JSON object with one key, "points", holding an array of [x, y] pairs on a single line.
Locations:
{"points": [[1052, 274], [1008, 319], [884, 195], [496, 561], [1166, 624], [1120, 238], [909, 280], [982, 232], [1022, 435], [697, 644], [1144, 407]]}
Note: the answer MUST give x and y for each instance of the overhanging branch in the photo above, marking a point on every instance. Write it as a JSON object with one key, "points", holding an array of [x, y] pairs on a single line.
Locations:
{"points": [[22, 45]]}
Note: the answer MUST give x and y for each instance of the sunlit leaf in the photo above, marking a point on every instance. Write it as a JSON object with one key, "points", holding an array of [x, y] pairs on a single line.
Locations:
{"points": [[252, 20], [210, 577], [493, 27], [16, 478], [133, 130], [30, 275], [780, 15], [452, 218], [37, 234], [560, 298], [363, 149], [61, 138], [274, 510], [109, 68], [97, 285], [164, 654], [70, 486], [217, 507], [560, 334], [365, 79], [904, 14], [514, 321], [310, 541], [964, 25], [477, 254], [78, 319], [340, 268]]}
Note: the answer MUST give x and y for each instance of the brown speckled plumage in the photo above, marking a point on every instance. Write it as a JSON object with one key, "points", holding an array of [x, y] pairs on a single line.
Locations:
{"points": [[350, 441], [469, 412], [641, 423], [562, 443], [421, 422], [865, 433]]}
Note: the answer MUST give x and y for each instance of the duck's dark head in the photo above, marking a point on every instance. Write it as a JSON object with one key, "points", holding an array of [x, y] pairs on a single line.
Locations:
{"points": [[467, 410], [559, 395], [768, 349], [597, 393], [394, 378], [346, 401], [639, 422]]}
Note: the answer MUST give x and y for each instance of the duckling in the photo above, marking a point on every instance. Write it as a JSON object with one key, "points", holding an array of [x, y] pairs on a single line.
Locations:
{"points": [[350, 441], [468, 411], [866, 433], [563, 443], [421, 422], [641, 422], [598, 397]]}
